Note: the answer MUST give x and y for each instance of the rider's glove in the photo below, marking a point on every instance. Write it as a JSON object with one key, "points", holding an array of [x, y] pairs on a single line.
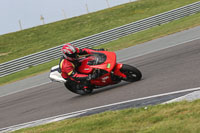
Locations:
{"points": [[100, 49]]}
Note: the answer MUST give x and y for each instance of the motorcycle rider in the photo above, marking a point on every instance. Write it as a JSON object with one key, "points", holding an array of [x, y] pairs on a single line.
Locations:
{"points": [[68, 64]]}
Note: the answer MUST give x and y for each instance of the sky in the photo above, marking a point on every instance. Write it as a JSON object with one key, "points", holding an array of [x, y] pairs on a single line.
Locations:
{"points": [[27, 13]]}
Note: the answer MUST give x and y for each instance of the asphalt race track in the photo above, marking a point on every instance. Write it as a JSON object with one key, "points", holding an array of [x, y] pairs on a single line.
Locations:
{"points": [[171, 69]]}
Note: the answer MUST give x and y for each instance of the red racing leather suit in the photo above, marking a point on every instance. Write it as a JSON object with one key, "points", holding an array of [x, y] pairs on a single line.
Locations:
{"points": [[67, 67]]}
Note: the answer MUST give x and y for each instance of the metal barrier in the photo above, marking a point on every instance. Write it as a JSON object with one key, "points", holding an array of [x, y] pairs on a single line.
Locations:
{"points": [[97, 39]]}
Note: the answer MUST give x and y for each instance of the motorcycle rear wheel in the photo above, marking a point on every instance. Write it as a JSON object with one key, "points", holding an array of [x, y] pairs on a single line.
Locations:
{"points": [[75, 88], [132, 73]]}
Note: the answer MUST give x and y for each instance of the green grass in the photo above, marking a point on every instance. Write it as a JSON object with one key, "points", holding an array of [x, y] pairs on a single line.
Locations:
{"points": [[183, 117], [140, 37], [16, 42], [39, 38], [32, 71]]}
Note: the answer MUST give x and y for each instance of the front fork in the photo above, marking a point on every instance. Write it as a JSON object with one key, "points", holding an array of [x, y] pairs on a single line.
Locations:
{"points": [[117, 71]]}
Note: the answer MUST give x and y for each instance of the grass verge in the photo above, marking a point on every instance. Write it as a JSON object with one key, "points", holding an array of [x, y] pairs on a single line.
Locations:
{"points": [[32, 71], [39, 38], [140, 37], [182, 117]]}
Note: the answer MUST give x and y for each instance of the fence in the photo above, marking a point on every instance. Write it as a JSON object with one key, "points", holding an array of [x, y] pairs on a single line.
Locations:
{"points": [[97, 39]]}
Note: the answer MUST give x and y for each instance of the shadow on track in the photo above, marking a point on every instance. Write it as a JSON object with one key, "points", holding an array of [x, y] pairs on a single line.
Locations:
{"points": [[98, 91]]}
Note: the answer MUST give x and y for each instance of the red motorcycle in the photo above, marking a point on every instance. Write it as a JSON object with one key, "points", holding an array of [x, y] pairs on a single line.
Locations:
{"points": [[102, 63]]}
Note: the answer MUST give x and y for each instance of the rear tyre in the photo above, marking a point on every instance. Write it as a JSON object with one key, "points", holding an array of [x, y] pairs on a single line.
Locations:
{"points": [[77, 88], [132, 73]]}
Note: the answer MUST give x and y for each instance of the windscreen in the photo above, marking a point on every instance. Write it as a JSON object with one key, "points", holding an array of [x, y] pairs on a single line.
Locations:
{"points": [[99, 59]]}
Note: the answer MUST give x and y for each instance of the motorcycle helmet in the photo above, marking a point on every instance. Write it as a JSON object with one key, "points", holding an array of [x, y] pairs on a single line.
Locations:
{"points": [[69, 52]]}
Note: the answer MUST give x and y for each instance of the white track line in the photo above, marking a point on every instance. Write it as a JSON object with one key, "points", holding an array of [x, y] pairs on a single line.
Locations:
{"points": [[143, 98], [77, 113], [26, 89], [39, 122], [159, 49]]}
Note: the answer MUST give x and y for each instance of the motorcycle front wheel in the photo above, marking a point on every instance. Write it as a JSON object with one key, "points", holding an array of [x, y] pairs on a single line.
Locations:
{"points": [[132, 73]]}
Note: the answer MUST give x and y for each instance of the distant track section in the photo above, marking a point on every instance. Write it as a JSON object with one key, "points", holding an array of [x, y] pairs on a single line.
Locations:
{"points": [[98, 39]]}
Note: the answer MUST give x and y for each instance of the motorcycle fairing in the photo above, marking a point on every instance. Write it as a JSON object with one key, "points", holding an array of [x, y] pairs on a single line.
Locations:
{"points": [[84, 67], [103, 80], [117, 71], [104, 60]]}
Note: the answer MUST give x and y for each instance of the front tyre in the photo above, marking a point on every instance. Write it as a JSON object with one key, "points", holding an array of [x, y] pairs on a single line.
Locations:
{"points": [[132, 73]]}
